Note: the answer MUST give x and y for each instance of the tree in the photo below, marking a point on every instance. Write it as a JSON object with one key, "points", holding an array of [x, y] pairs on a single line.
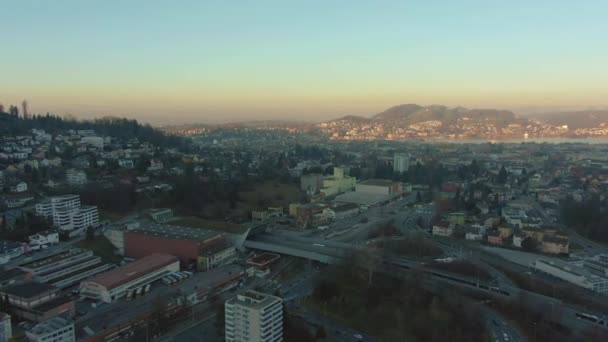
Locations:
{"points": [[502, 175], [529, 244], [90, 233], [320, 334]]}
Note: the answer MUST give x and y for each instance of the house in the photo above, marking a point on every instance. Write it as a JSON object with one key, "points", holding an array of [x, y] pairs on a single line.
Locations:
{"points": [[19, 187], [518, 238], [126, 163], [505, 231], [495, 238], [457, 218], [443, 228], [555, 245]]}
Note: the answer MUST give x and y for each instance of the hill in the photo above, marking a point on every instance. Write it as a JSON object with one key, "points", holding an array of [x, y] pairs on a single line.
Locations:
{"points": [[108, 126], [574, 120]]}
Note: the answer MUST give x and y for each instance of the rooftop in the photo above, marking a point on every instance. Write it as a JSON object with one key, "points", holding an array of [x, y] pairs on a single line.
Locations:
{"points": [[132, 271], [50, 325], [8, 246], [253, 299], [54, 258], [29, 289], [377, 182], [176, 232]]}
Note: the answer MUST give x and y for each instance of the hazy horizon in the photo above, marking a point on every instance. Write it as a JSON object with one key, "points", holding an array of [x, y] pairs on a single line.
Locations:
{"points": [[204, 62]]}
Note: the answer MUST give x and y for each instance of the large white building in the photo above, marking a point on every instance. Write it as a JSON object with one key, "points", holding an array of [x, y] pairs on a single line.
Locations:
{"points": [[56, 329], [254, 317], [401, 162], [67, 213]]}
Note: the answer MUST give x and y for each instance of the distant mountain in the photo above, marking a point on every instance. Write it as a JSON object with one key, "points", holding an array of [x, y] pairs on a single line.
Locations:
{"points": [[574, 120], [409, 114]]}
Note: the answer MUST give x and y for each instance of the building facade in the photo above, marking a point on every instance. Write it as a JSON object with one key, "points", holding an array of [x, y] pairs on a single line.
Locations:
{"points": [[57, 329], [254, 317], [401, 162]]}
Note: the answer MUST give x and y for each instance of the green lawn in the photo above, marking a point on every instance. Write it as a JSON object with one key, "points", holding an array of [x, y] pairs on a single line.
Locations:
{"points": [[101, 247]]}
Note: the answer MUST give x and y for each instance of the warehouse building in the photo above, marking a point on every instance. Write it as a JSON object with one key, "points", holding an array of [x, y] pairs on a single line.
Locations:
{"points": [[66, 267], [192, 246], [112, 285], [573, 274]]}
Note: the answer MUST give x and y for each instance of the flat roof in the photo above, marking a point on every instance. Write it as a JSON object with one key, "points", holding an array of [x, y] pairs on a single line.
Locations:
{"points": [[363, 198], [29, 289], [175, 232], [253, 299], [50, 325], [54, 258], [376, 182], [263, 259], [132, 271], [6, 246], [11, 273]]}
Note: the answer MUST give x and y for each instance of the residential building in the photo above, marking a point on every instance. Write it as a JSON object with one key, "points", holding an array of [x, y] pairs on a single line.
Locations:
{"points": [[76, 177], [47, 237], [76, 219], [401, 162], [443, 228], [93, 141], [56, 329], [518, 239], [495, 238], [505, 232], [254, 317], [6, 330], [19, 187], [155, 165], [115, 284], [457, 218], [49, 205], [126, 163], [555, 245]]}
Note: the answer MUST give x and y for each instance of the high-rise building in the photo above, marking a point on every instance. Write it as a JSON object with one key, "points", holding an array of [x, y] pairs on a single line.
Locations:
{"points": [[254, 317], [401, 162]]}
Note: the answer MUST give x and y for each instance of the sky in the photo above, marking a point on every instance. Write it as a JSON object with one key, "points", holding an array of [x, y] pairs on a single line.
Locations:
{"points": [[214, 61]]}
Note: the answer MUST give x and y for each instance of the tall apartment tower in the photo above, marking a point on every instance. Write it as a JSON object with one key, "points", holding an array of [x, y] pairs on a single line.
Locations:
{"points": [[401, 162], [254, 317]]}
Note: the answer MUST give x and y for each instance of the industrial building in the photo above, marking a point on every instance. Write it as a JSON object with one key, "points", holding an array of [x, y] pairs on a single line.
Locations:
{"points": [[114, 284], [254, 317], [36, 301], [57, 329], [573, 274], [66, 267], [194, 247]]}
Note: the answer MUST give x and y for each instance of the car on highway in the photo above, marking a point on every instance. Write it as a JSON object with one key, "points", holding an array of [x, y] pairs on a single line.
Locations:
{"points": [[358, 336]]}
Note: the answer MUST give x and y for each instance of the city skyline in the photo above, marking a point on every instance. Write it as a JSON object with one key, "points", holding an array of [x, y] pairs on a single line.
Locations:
{"points": [[314, 61]]}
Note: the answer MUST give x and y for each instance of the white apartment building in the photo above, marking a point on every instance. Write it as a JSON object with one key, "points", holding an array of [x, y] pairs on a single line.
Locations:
{"points": [[76, 177], [67, 213], [401, 162], [48, 206], [254, 317], [56, 329], [76, 218]]}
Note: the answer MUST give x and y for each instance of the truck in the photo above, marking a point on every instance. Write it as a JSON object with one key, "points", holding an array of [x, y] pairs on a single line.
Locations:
{"points": [[138, 291], [147, 288], [130, 295]]}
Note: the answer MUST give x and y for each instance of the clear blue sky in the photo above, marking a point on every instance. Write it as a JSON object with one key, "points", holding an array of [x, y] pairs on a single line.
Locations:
{"points": [[188, 61]]}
